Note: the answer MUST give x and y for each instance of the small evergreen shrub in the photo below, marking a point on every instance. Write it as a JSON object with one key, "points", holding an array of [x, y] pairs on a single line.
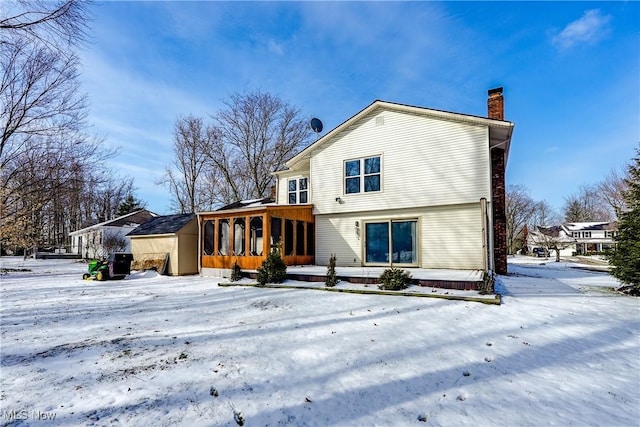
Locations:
{"points": [[236, 273], [394, 279], [332, 278], [273, 269]]}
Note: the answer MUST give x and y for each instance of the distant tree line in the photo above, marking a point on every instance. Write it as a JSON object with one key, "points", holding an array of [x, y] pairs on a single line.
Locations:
{"points": [[600, 202], [52, 174], [231, 156]]}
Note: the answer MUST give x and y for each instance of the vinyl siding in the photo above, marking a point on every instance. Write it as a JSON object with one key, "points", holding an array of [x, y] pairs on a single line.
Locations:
{"points": [[425, 162], [181, 247], [282, 196], [188, 249], [450, 237]]}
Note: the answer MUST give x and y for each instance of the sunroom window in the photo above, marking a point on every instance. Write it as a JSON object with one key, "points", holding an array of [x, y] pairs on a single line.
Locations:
{"points": [[362, 175], [298, 191]]}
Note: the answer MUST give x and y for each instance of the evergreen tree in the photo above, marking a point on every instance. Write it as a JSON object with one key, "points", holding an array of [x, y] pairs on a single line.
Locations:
{"points": [[129, 204], [626, 258], [573, 212], [273, 269]]}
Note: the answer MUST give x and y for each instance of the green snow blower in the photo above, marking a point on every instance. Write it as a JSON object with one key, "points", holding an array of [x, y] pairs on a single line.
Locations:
{"points": [[117, 266]]}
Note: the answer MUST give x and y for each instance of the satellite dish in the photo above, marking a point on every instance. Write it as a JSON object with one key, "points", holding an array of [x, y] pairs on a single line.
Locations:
{"points": [[316, 125]]}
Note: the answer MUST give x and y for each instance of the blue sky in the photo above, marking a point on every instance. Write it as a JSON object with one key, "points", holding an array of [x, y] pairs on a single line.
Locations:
{"points": [[570, 72]]}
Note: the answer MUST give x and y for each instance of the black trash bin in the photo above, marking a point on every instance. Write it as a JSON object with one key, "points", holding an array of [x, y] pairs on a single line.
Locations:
{"points": [[119, 265]]}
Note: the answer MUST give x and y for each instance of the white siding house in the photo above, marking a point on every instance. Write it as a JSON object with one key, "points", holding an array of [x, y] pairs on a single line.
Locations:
{"points": [[88, 242], [401, 185], [575, 238]]}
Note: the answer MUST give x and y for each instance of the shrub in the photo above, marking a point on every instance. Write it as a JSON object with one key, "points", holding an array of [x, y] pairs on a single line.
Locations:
{"points": [[394, 279], [236, 273], [273, 269], [332, 278]]}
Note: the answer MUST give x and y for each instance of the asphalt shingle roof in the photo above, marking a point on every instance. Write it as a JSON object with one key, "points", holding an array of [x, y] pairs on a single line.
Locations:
{"points": [[166, 224]]}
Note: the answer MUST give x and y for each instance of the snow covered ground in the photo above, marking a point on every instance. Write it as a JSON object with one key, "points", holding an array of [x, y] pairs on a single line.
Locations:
{"points": [[562, 349]]}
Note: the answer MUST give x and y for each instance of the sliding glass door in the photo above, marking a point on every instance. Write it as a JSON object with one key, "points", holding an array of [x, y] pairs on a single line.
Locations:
{"points": [[393, 241]]}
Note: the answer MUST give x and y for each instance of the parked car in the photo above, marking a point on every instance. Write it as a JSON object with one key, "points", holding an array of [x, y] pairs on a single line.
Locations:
{"points": [[540, 252]]}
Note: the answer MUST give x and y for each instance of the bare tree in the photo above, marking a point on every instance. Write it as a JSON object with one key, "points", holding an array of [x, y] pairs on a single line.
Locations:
{"points": [[55, 24], [551, 238], [519, 209], [587, 206], [611, 191], [189, 179], [39, 89], [255, 135], [51, 177], [544, 215]]}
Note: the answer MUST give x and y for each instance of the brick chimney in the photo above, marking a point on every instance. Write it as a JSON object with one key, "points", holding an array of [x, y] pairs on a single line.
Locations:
{"points": [[495, 104], [495, 110]]}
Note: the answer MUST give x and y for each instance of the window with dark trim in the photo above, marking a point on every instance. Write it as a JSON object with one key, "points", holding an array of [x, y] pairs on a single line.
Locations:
{"points": [[238, 236], [288, 237], [223, 237], [299, 237], [255, 236], [209, 229], [311, 239], [276, 231]]}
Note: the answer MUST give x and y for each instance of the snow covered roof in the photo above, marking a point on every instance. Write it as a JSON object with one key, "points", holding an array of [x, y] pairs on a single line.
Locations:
{"points": [[589, 226], [131, 219], [252, 203]]}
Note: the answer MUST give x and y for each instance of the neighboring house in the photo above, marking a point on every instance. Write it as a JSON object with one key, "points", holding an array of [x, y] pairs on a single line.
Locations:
{"points": [[89, 241], [581, 238], [393, 185], [591, 237], [553, 238], [175, 236]]}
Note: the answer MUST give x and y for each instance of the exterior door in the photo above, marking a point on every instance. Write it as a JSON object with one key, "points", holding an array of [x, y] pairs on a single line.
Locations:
{"points": [[391, 242]]}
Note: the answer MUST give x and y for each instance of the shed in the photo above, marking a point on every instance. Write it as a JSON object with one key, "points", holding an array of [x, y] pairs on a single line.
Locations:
{"points": [[169, 238]]}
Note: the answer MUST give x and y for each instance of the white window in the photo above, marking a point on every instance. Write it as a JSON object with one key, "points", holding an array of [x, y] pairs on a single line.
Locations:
{"points": [[362, 175], [298, 191]]}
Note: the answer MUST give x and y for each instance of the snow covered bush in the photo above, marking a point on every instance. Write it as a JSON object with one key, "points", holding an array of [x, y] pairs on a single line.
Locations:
{"points": [[332, 278], [394, 279], [273, 269]]}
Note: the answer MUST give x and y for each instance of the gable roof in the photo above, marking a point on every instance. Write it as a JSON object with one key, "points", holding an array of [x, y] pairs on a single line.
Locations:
{"points": [[131, 219], [591, 226], [247, 204], [166, 224], [500, 131]]}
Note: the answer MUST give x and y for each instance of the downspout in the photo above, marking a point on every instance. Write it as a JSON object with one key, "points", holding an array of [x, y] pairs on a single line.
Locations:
{"points": [[485, 234]]}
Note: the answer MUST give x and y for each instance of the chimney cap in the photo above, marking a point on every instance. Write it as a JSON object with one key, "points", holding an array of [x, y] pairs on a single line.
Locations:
{"points": [[495, 92]]}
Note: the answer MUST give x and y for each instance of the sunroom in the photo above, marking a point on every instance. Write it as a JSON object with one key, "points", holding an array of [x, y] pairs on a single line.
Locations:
{"points": [[246, 235]]}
